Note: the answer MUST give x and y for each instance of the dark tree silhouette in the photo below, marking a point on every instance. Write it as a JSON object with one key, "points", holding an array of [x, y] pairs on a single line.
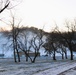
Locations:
{"points": [[69, 36], [3, 5]]}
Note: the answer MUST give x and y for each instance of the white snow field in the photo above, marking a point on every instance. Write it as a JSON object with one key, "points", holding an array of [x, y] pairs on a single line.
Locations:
{"points": [[42, 66]]}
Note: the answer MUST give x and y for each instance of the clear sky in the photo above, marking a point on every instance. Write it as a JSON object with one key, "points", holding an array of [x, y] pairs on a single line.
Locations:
{"points": [[41, 13]]}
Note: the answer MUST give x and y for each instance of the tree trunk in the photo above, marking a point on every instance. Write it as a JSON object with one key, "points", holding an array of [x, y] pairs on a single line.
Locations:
{"points": [[26, 58], [18, 55], [33, 60], [66, 55], [71, 52], [15, 56], [14, 51], [36, 54], [71, 55], [54, 56], [16, 47], [62, 55], [27, 55]]}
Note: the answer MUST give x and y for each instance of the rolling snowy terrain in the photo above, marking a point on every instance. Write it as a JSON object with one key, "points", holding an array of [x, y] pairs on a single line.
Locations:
{"points": [[42, 66]]}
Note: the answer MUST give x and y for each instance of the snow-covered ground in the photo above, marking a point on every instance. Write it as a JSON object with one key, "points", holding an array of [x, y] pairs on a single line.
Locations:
{"points": [[42, 66]]}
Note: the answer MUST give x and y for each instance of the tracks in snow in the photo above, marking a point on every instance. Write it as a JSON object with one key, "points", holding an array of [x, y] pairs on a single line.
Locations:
{"points": [[56, 69]]}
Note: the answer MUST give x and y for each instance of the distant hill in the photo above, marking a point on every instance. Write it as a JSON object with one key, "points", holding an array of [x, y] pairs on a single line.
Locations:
{"points": [[4, 37]]}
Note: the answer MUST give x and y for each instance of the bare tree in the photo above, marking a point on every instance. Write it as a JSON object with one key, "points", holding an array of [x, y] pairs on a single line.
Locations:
{"points": [[62, 50], [13, 36], [69, 36], [24, 45], [4, 4], [55, 44], [52, 44], [36, 43]]}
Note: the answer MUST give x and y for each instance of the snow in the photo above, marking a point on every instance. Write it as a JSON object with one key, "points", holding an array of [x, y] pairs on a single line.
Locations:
{"points": [[3, 49], [57, 69], [42, 66], [7, 50]]}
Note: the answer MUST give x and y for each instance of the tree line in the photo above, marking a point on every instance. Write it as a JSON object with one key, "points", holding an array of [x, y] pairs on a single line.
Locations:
{"points": [[24, 39], [56, 41]]}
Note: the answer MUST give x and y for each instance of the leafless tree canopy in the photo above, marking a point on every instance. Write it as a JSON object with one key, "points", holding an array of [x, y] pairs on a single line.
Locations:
{"points": [[4, 4]]}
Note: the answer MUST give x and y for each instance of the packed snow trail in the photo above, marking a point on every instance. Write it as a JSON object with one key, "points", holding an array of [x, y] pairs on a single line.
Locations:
{"points": [[57, 69], [71, 71]]}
